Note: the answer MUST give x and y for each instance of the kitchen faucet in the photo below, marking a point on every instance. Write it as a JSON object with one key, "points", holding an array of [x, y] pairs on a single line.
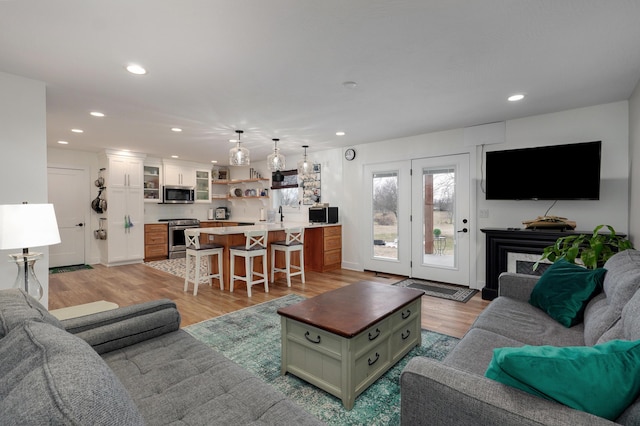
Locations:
{"points": [[281, 215]]}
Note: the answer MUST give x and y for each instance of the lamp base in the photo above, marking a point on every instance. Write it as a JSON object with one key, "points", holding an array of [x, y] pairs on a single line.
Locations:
{"points": [[26, 278]]}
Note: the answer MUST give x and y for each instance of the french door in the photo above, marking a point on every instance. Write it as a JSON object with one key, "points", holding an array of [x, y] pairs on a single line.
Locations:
{"points": [[440, 227], [418, 218]]}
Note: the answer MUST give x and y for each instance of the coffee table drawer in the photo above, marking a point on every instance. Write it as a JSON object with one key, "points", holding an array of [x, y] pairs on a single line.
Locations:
{"points": [[371, 365], [371, 336], [406, 314], [405, 337], [314, 338]]}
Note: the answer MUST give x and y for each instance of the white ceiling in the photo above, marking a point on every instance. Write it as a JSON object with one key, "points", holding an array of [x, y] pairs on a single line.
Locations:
{"points": [[276, 68]]}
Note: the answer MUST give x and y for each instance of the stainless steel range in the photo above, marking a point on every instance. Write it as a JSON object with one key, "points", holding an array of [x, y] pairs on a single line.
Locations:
{"points": [[177, 243]]}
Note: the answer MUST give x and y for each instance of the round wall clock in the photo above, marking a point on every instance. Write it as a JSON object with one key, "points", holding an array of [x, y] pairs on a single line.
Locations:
{"points": [[350, 154]]}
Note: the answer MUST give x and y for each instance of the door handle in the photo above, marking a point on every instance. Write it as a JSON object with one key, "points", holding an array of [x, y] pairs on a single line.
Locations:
{"points": [[464, 230], [80, 224]]}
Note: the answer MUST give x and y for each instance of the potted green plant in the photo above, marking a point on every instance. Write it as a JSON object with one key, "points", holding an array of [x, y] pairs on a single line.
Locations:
{"points": [[592, 250], [436, 232]]}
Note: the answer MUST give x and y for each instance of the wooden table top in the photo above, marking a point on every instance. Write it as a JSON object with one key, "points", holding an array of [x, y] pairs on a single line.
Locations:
{"points": [[349, 310]]}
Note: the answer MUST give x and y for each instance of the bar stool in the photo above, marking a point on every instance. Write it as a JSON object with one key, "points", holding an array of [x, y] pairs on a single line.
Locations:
{"points": [[255, 245], [199, 251], [294, 241]]}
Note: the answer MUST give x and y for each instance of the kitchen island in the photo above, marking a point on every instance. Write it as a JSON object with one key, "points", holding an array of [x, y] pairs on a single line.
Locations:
{"points": [[322, 245]]}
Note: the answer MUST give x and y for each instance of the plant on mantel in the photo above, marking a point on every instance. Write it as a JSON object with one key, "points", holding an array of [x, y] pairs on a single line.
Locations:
{"points": [[592, 250]]}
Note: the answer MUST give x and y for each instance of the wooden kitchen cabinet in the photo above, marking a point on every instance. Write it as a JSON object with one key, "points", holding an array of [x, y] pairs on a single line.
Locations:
{"points": [[156, 241], [323, 248]]}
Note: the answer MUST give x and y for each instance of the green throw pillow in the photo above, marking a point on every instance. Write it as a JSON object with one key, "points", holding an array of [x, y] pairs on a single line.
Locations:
{"points": [[564, 290], [602, 380]]}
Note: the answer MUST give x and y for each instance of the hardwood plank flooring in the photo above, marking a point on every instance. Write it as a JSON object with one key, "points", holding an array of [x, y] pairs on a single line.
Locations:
{"points": [[131, 284]]}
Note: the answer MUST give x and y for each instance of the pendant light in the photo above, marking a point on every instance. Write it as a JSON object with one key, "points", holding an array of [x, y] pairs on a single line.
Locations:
{"points": [[239, 156], [305, 166], [276, 160]]}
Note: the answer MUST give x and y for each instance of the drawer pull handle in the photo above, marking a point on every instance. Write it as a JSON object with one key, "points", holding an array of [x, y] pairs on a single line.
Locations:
{"points": [[406, 314], [307, 334], [406, 336], [376, 336], [375, 360]]}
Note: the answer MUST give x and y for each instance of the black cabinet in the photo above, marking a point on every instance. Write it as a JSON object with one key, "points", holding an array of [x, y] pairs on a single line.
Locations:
{"points": [[502, 241]]}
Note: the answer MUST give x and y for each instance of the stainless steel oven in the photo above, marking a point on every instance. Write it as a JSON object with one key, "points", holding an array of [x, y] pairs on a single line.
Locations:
{"points": [[177, 243]]}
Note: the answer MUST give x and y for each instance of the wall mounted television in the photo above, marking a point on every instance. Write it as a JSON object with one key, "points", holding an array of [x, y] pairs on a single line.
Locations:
{"points": [[556, 172]]}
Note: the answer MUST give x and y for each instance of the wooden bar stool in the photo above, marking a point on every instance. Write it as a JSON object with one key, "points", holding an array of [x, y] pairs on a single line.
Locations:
{"points": [[255, 245], [200, 251], [293, 242]]}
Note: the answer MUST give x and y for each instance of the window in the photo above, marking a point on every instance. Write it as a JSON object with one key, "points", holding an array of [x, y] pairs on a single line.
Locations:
{"points": [[286, 193]]}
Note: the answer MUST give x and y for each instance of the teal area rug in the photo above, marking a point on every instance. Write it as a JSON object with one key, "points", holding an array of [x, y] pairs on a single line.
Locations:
{"points": [[71, 268], [251, 337]]}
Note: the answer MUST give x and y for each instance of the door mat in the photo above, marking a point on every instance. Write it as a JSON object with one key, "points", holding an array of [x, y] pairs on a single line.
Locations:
{"points": [[251, 338], [444, 291], [70, 268]]}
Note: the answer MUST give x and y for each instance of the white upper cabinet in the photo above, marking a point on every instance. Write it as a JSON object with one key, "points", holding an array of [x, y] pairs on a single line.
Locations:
{"points": [[179, 174]]}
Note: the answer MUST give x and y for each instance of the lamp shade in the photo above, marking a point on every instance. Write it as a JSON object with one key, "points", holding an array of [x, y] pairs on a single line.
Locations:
{"points": [[27, 225]]}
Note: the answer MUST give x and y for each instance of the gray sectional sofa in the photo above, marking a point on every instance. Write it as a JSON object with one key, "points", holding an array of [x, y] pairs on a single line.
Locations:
{"points": [[128, 366], [456, 391]]}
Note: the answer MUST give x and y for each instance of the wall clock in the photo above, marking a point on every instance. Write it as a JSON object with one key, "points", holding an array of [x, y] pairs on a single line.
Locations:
{"points": [[350, 154]]}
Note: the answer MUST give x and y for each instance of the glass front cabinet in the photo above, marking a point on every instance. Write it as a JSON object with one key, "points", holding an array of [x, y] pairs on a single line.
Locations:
{"points": [[203, 186], [152, 184]]}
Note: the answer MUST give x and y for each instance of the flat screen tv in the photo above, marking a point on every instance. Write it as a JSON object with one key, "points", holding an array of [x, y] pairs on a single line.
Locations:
{"points": [[557, 172]]}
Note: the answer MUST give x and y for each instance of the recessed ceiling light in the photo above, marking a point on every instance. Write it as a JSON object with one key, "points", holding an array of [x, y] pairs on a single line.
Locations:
{"points": [[97, 113], [63, 142], [350, 84], [77, 130], [176, 129], [136, 69], [233, 140], [516, 97], [174, 156], [214, 161], [340, 133]]}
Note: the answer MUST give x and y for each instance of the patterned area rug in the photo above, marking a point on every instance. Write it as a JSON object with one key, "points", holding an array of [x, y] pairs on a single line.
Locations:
{"points": [[441, 290], [251, 337], [175, 266], [71, 268]]}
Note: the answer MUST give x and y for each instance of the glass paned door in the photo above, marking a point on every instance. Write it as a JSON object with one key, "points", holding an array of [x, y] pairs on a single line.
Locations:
{"points": [[387, 225], [440, 219]]}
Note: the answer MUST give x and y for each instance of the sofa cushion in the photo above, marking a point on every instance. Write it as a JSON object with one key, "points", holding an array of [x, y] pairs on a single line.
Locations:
{"points": [[620, 284], [520, 321], [176, 379], [564, 290], [474, 352], [16, 306], [602, 380], [48, 376]]}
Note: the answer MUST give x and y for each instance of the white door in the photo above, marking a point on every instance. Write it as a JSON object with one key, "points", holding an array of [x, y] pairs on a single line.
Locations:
{"points": [[387, 225], [67, 191], [440, 227]]}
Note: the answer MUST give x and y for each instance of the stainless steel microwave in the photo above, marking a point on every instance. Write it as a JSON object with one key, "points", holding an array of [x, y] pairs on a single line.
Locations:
{"points": [[323, 214], [178, 194]]}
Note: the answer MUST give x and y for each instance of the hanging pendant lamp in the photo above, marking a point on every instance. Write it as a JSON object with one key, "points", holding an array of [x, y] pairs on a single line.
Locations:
{"points": [[276, 160], [305, 166], [239, 156]]}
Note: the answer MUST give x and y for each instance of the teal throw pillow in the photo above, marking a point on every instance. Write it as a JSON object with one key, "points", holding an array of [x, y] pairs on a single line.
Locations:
{"points": [[564, 290], [602, 380]]}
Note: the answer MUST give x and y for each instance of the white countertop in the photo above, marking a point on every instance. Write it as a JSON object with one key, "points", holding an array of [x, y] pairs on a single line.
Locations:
{"points": [[262, 226]]}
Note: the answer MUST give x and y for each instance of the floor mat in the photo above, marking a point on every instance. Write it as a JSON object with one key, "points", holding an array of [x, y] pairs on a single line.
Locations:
{"points": [[441, 290], [70, 268]]}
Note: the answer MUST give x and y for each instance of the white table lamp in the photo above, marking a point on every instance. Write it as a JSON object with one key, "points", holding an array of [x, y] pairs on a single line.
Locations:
{"points": [[23, 226]]}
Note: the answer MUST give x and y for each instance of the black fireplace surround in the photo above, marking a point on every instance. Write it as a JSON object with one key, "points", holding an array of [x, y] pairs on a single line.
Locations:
{"points": [[502, 241]]}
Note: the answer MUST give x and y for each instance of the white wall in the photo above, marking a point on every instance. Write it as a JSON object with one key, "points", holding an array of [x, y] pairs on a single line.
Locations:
{"points": [[23, 164], [634, 160], [609, 123]]}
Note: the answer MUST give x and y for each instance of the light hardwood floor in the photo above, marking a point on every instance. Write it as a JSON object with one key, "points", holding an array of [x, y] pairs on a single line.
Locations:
{"points": [[130, 284]]}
